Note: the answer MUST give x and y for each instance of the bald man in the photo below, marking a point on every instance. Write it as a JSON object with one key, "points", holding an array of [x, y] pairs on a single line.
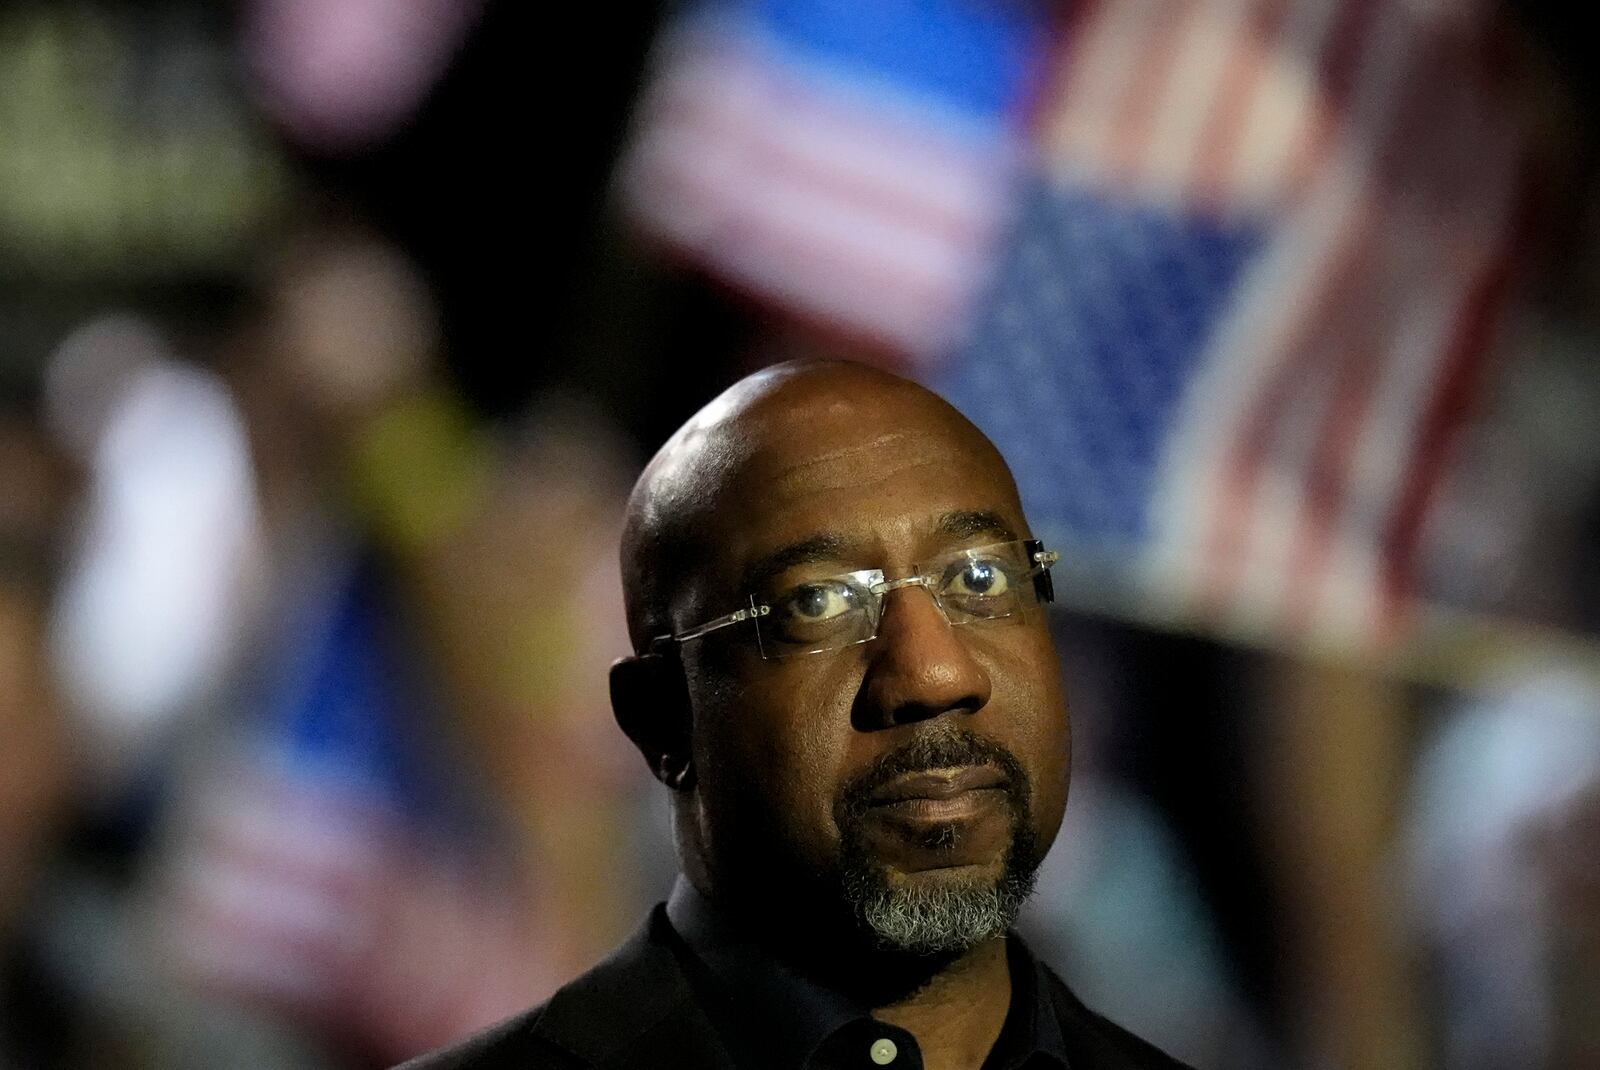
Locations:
{"points": [[844, 679]]}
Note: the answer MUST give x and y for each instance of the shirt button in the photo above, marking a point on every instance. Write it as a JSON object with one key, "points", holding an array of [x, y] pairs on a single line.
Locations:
{"points": [[883, 1051]]}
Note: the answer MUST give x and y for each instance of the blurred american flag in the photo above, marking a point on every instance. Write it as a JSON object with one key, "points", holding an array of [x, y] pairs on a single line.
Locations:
{"points": [[848, 162], [1254, 286]]}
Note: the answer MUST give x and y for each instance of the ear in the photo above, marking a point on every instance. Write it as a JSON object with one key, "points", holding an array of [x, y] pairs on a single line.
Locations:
{"points": [[650, 700]]}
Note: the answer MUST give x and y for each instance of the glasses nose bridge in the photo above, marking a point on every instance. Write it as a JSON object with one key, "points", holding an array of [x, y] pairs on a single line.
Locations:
{"points": [[886, 587]]}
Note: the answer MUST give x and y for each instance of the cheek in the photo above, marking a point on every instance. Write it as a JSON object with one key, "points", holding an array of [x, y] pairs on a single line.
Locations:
{"points": [[1055, 764], [1032, 721], [772, 751]]}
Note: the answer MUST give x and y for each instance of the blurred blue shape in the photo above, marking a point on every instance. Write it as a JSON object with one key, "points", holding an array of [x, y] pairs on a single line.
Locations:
{"points": [[341, 701], [974, 57]]}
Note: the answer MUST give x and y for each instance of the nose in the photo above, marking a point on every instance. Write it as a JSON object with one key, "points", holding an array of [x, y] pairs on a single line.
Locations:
{"points": [[920, 666]]}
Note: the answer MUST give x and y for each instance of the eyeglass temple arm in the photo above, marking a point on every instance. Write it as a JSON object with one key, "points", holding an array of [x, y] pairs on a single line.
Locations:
{"points": [[1043, 559], [661, 642]]}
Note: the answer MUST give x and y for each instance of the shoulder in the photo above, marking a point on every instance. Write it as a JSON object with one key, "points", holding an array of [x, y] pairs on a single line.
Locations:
{"points": [[636, 1001], [1094, 1040]]}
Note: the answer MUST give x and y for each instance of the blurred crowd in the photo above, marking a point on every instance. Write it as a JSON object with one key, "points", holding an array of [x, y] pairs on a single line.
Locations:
{"points": [[333, 333]]}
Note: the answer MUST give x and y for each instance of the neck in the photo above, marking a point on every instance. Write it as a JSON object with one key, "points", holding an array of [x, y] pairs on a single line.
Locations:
{"points": [[955, 1005], [958, 1014]]}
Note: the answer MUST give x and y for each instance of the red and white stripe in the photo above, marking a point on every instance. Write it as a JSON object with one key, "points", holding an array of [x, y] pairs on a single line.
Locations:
{"points": [[835, 200], [309, 897], [272, 888], [1371, 138]]}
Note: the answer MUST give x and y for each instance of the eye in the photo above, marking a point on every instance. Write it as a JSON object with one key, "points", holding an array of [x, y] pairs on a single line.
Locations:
{"points": [[978, 577], [813, 603]]}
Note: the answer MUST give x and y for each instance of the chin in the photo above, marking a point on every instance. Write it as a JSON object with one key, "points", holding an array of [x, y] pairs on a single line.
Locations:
{"points": [[938, 911]]}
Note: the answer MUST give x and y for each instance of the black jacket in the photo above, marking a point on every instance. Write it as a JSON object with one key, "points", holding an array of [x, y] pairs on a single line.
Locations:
{"points": [[638, 1010]]}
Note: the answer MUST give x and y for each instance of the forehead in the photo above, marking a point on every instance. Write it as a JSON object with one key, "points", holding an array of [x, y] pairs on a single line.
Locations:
{"points": [[876, 470]]}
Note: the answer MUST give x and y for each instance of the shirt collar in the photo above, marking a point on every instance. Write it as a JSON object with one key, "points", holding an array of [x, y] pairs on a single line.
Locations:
{"points": [[1031, 1025], [791, 1017], [790, 1014]]}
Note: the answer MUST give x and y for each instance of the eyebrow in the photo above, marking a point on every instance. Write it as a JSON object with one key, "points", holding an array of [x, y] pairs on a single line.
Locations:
{"points": [[823, 547], [969, 523]]}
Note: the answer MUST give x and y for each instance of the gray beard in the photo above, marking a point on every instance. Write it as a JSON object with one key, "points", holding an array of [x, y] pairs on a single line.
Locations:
{"points": [[942, 919], [935, 917]]}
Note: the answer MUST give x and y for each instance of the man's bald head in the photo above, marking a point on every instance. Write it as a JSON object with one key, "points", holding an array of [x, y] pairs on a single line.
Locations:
{"points": [[785, 492], [787, 416]]}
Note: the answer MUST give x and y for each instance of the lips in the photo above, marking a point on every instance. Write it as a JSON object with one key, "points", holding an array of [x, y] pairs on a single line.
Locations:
{"points": [[938, 785], [952, 811]]}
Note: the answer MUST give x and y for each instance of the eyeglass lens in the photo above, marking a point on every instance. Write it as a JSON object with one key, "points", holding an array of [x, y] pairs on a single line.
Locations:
{"points": [[834, 612]]}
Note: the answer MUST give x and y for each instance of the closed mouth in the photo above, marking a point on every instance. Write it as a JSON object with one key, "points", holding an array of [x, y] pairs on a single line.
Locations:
{"points": [[938, 784]]}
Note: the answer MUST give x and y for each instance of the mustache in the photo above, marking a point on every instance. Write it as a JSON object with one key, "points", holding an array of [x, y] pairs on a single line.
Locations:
{"points": [[936, 749]]}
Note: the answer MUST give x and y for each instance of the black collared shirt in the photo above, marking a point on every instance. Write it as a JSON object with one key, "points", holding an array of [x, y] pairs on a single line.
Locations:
{"points": [[687, 993], [771, 1017]]}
